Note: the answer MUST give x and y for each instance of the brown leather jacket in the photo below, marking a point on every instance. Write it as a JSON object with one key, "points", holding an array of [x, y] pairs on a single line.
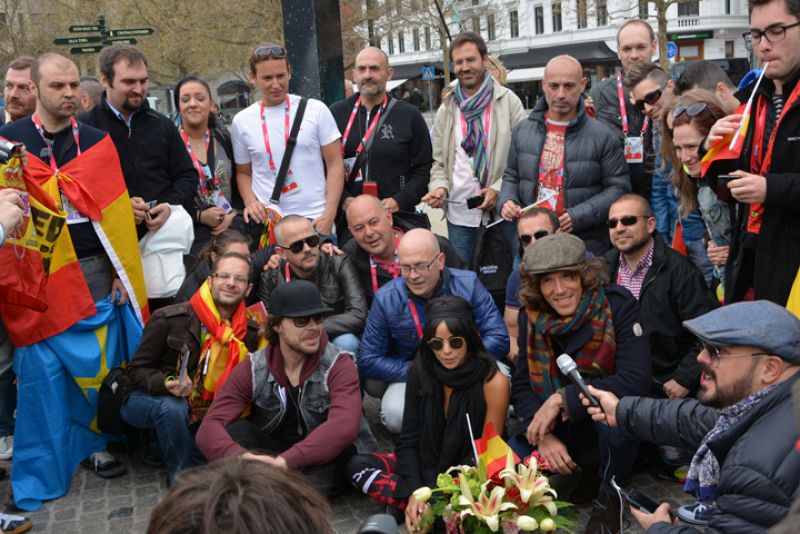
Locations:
{"points": [[164, 335]]}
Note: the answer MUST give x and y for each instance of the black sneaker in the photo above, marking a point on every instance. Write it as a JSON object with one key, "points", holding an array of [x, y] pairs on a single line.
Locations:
{"points": [[14, 524], [696, 514], [104, 464]]}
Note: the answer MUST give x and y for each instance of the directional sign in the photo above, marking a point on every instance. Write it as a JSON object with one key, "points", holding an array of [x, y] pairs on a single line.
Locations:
{"points": [[86, 49], [428, 73], [77, 40], [84, 28], [672, 50], [128, 32], [121, 40]]}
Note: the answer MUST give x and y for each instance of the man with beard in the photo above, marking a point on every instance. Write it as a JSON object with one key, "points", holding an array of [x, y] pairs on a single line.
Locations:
{"points": [[741, 424], [212, 333], [384, 140], [157, 168], [302, 393], [19, 99]]}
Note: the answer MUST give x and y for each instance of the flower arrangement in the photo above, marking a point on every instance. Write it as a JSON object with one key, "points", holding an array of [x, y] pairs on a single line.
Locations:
{"points": [[517, 499]]}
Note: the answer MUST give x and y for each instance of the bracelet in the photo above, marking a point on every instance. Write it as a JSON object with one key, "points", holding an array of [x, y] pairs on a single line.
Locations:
{"points": [[168, 378]]}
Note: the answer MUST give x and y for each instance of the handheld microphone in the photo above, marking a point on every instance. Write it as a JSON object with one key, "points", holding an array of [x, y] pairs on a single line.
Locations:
{"points": [[569, 368]]}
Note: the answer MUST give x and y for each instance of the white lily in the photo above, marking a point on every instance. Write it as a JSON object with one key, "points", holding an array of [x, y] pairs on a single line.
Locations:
{"points": [[487, 508], [527, 523], [421, 495], [534, 488]]}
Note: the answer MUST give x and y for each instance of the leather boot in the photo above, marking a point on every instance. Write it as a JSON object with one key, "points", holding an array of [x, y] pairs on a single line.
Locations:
{"points": [[605, 518]]}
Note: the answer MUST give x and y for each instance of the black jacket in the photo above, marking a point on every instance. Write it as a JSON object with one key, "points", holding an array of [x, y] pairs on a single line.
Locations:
{"points": [[152, 155], [673, 291], [768, 261], [337, 280], [759, 466]]}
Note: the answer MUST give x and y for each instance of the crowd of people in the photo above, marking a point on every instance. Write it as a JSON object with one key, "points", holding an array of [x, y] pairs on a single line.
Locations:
{"points": [[232, 296]]}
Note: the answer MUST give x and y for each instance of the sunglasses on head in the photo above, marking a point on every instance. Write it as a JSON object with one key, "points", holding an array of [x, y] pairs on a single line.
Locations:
{"points": [[649, 99], [455, 342], [297, 246], [527, 239], [302, 322], [278, 52], [627, 220], [693, 110]]}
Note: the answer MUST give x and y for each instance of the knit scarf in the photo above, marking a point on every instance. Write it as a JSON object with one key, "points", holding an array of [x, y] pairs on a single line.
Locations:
{"points": [[474, 142], [595, 358], [703, 475], [222, 349]]}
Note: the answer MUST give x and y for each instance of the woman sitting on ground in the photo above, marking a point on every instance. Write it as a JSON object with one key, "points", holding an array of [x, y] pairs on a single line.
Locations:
{"points": [[452, 376]]}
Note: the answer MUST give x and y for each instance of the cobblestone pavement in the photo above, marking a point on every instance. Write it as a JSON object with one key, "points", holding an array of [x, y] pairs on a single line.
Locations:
{"points": [[123, 505]]}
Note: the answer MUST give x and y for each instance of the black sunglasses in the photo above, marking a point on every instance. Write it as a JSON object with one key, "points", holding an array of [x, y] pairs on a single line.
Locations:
{"points": [[693, 110], [649, 99], [297, 246], [278, 52], [302, 322], [437, 343], [626, 220], [526, 239]]}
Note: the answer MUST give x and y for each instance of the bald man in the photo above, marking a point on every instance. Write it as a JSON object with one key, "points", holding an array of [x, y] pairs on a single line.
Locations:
{"points": [[394, 323], [565, 161], [384, 140]]}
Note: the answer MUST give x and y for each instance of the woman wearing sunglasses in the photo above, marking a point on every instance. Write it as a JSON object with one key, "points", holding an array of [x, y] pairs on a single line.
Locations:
{"points": [[453, 376], [571, 309], [687, 121]]}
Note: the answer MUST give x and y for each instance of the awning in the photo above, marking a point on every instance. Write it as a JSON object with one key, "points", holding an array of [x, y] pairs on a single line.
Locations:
{"points": [[586, 53], [412, 71], [525, 75], [391, 84]]}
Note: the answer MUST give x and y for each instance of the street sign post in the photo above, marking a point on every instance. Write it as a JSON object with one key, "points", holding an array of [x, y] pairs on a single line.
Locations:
{"points": [[428, 73], [84, 28], [86, 49], [672, 50], [130, 32], [121, 40], [105, 37], [77, 40]]}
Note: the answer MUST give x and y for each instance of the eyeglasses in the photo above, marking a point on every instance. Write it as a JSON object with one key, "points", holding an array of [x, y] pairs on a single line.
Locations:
{"points": [[649, 99], [302, 322], [626, 220], [526, 239], [297, 246], [278, 52], [773, 34], [238, 280], [715, 356], [405, 270], [693, 110], [437, 343]]}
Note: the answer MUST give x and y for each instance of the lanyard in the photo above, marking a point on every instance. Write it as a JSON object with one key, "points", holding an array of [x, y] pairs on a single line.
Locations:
{"points": [[287, 275], [393, 270], [75, 134], [196, 163], [266, 133], [623, 112], [372, 125], [415, 316]]}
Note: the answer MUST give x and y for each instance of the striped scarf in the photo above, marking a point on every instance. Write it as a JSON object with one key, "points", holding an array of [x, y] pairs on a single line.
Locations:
{"points": [[474, 142], [594, 359]]}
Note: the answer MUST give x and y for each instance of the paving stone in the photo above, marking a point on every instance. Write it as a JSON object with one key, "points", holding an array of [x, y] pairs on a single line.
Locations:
{"points": [[125, 511], [65, 515]]}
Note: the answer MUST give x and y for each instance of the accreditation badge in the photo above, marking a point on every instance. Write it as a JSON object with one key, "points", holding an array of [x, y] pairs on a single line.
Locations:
{"points": [[634, 149]]}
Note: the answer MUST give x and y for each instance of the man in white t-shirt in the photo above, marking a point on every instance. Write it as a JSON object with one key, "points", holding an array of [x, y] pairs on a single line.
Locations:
{"points": [[259, 135]]}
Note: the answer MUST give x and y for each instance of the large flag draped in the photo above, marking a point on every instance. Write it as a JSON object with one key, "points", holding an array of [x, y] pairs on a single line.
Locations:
{"points": [[59, 381], [94, 184]]}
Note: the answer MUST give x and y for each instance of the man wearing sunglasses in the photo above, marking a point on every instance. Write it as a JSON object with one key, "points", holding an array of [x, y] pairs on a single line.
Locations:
{"points": [[302, 393], [394, 324], [670, 290], [335, 276], [764, 255], [741, 424]]}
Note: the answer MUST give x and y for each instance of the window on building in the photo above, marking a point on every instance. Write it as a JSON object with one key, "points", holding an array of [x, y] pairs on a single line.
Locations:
{"points": [[401, 43], [490, 35], [643, 9], [557, 17], [730, 47], [582, 14], [427, 38], [514, 23], [476, 24], [689, 9], [415, 38], [390, 43], [602, 12], [538, 19], [727, 7]]}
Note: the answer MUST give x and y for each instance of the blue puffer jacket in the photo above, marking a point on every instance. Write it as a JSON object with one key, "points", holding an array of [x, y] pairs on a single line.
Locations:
{"points": [[390, 338]]}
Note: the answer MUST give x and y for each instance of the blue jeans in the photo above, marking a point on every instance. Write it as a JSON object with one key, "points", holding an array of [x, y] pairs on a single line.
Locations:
{"points": [[8, 387], [463, 238], [169, 416], [348, 342], [699, 256]]}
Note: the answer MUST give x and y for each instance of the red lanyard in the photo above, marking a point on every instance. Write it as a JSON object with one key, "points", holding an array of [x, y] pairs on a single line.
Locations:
{"points": [[372, 125], [415, 316], [266, 133], [75, 134], [196, 163], [286, 273], [623, 112], [394, 270]]}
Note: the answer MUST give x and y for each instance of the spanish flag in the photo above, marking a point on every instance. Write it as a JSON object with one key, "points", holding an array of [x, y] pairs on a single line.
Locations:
{"points": [[730, 146], [492, 451], [678, 243]]}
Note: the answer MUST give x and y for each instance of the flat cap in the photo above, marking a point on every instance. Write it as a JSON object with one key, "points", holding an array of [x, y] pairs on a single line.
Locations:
{"points": [[760, 323], [556, 252]]}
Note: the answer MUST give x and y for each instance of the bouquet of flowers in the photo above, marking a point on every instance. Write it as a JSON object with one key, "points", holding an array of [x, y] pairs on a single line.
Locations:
{"points": [[517, 499]]}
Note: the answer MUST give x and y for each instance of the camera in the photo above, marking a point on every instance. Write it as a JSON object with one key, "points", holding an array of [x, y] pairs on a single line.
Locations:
{"points": [[9, 150]]}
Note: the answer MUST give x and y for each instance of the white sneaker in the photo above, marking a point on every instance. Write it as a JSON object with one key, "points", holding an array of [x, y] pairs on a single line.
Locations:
{"points": [[6, 447]]}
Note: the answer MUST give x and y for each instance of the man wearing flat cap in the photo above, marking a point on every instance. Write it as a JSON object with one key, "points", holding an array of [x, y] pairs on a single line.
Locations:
{"points": [[303, 395], [741, 424]]}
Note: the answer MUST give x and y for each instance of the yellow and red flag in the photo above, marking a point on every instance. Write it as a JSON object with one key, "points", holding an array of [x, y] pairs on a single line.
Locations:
{"points": [[492, 451], [730, 146], [678, 243]]}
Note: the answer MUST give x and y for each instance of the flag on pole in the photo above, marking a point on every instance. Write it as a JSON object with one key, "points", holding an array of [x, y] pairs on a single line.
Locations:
{"points": [[492, 450]]}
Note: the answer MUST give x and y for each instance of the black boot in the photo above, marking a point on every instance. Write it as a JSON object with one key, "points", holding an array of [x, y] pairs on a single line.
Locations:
{"points": [[605, 518]]}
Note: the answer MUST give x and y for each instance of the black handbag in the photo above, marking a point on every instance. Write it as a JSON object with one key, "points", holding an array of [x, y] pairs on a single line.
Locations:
{"points": [[492, 261], [110, 401]]}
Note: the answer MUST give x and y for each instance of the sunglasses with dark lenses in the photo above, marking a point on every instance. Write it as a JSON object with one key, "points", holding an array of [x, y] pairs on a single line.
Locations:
{"points": [[627, 220], [278, 52], [693, 110], [526, 239], [649, 99], [455, 342], [301, 322], [297, 246]]}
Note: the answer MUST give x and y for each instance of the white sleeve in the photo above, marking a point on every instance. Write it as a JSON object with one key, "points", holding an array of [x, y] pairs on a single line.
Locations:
{"points": [[241, 154], [327, 130]]}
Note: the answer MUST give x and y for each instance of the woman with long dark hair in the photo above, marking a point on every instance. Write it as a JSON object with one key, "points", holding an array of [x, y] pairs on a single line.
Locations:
{"points": [[452, 377]]}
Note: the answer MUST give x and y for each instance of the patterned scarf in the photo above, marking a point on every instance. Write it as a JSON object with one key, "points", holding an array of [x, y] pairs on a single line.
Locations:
{"points": [[474, 142], [595, 358], [703, 475]]}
